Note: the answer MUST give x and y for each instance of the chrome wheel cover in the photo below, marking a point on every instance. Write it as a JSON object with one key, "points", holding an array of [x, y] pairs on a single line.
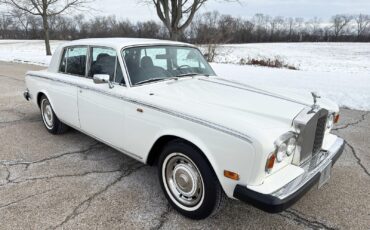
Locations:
{"points": [[47, 114], [183, 181]]}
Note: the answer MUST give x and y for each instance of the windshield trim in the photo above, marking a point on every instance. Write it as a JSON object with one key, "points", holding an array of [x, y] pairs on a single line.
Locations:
{"points": [[155, 45]]}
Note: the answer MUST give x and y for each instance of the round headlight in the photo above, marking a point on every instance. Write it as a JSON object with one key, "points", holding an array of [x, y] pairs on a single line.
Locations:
{"points": [[291, 146], [281, 152], [330, 121]]}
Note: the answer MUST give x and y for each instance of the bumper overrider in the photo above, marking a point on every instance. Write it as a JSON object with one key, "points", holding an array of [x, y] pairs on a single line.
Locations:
{"points": [[294, 190], [27, 95]]}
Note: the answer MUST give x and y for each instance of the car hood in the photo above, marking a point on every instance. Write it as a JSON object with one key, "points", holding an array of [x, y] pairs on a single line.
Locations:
{"points": [[234, 105]]}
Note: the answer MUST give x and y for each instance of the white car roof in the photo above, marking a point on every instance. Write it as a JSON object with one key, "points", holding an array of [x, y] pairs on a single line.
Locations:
{"points": [[119, 43]]}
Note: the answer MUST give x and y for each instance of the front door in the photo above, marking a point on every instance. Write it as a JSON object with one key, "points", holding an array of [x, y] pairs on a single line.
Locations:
{"points": [[101, 108]]}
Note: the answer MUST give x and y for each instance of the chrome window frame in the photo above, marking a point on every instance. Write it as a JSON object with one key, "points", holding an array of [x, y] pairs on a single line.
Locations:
{"points": [[91, 47], [154, 45], [65, 49], [88, 62]]}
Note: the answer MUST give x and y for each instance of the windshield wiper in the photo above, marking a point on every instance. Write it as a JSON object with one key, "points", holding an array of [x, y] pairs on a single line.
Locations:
{"points": [[150, 80], [191, 74], [155, 79]]}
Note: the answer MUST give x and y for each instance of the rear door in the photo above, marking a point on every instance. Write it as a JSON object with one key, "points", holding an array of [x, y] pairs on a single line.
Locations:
{"points": [[63, 92]]}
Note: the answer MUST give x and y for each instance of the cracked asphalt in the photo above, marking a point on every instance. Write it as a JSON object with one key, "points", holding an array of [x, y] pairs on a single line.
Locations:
{"points": [[72, 181]]}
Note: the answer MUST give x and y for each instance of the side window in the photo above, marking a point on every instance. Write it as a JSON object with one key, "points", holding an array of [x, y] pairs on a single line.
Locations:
{"points": [[74, 61], [103, 61]]}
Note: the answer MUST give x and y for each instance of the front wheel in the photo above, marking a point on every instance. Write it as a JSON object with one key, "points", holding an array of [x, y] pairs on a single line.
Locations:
{"points": [[51, 121], [188, 181]]}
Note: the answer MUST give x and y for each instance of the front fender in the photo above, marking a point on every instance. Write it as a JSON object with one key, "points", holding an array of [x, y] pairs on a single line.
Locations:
{"points": [[223, 153]]}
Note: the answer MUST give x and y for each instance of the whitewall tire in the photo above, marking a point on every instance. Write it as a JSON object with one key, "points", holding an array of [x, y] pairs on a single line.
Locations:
{"points": [[188, 181]]}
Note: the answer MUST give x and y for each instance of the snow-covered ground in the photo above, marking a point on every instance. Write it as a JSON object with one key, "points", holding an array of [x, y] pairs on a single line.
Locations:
{"points": [[318, 57], [338, 71], [26, 51]]}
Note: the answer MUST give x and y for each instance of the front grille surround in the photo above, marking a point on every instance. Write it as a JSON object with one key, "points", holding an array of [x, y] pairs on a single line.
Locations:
{"points": [[310, 124]]}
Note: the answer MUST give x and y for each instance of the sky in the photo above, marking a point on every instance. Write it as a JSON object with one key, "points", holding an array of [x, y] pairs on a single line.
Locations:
{"points": [[136, 10]]}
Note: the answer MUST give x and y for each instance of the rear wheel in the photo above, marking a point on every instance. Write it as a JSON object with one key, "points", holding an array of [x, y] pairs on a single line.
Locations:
{"points": [[51, 121], [188, 181]]}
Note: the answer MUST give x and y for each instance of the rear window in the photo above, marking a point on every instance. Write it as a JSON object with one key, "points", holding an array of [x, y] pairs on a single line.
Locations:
{"points": [[74, 61]]}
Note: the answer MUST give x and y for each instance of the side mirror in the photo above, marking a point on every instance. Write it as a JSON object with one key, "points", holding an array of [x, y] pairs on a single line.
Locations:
{"points": [[102, 78]]}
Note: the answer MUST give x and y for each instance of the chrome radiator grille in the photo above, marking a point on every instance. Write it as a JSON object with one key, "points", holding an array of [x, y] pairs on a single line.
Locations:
{"points": [[311, 127], [319, 134]]}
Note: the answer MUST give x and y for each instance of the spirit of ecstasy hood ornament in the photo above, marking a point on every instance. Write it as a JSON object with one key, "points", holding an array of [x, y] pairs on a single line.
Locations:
{"points": [[315, 96]]}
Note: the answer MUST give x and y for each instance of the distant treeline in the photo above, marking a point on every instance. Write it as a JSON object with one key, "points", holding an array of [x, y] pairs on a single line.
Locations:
{"points": [[211, 27]]}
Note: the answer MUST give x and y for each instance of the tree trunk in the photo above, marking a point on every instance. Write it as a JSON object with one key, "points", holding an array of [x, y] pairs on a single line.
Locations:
{"points": [[46, 34], [174, 35]]}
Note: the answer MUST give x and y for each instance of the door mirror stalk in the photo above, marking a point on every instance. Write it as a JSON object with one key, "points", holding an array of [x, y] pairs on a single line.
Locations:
{"points": [[101, 79]]}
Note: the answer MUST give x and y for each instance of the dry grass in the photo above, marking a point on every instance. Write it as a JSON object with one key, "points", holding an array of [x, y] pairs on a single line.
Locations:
{"points": [[276, 62]]}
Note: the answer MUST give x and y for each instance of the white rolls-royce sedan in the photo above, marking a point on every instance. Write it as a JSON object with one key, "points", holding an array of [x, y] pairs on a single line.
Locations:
{"points": [[161, 103]]}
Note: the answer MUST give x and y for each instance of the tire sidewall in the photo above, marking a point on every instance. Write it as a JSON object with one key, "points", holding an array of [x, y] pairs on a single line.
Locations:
{"points": [[43, 101], [210, 181], [54, 128]]}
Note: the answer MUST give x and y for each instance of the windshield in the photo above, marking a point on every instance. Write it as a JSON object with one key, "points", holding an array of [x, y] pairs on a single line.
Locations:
{"points": [[155, 63]]}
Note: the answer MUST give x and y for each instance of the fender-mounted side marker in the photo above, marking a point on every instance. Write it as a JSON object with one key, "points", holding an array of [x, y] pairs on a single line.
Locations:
{"points": [[231, 175]]}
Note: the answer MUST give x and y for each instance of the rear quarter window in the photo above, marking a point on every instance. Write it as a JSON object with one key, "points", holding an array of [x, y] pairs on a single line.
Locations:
{"points": [[74, 61]]}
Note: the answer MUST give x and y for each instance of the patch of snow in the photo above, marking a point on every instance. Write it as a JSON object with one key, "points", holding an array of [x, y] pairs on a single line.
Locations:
{"points": [[320, 57], [26, 51]]}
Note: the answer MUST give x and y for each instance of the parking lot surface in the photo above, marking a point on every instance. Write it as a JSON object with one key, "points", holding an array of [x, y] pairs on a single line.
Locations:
{"points": [[72, 181]]}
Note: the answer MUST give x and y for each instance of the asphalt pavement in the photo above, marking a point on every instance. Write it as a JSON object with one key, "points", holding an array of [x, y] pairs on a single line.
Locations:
{"points": [[72, 181]]}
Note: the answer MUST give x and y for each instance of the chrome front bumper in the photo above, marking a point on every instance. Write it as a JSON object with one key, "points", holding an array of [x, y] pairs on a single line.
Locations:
{"points": [[291, 192]]}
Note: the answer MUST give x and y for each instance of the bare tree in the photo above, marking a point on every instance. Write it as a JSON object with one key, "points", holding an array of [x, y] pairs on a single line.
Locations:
{"points": [[6, 23], [275, 25], [45, 9], [363, 22], [23, 19], [261, 25], [177, 15], [294, 26], [290, 22], [314, 28], [340, 21], [210, 28]]}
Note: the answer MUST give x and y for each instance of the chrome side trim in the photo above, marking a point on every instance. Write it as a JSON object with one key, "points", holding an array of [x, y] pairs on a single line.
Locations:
{"points": [[253, 89], [200, 121]]}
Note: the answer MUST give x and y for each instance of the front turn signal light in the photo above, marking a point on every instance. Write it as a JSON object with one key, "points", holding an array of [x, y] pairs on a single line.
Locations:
{"points": [[231, 175], [270, 162], [336, 118]]}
